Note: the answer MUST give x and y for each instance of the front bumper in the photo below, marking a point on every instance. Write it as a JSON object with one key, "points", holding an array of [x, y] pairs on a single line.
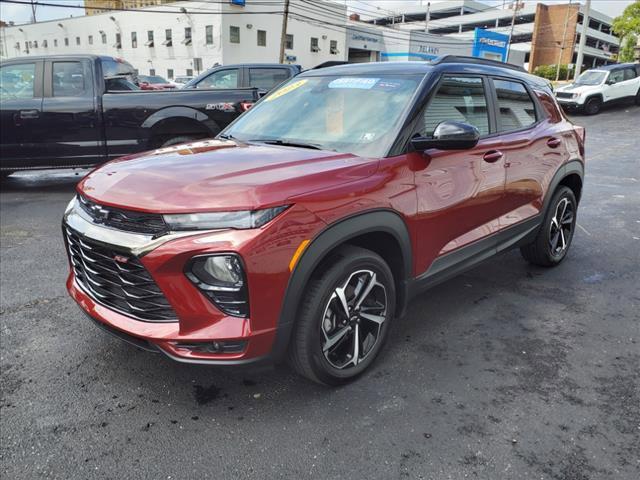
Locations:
{"points": [[198, 320], [569, 104]]}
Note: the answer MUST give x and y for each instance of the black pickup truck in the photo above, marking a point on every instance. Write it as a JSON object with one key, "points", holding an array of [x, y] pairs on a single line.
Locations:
{"points": [[81, 110]]}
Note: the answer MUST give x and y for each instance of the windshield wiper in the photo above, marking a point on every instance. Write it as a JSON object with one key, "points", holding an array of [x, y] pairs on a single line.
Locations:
{"points": [[227, 136], [287, 143]]}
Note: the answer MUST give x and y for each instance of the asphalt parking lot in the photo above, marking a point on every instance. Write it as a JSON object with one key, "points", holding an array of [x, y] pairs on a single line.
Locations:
{"points": [[508, 371]]}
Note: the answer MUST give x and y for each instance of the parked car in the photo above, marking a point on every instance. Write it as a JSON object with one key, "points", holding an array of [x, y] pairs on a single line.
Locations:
{"points": [[80, 110], [263, 76], [302, 231], [154, 82], [600, 86], [182, 80]]}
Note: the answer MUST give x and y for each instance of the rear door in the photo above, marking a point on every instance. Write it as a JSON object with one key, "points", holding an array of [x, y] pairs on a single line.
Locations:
{"points": [[266, 78], [70, 111], [533, 148], [20, 113], [630, 82], [615, 87]]}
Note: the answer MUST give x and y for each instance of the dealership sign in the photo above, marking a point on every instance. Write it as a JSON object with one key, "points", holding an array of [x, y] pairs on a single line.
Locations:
{"points": [[490, 45]]}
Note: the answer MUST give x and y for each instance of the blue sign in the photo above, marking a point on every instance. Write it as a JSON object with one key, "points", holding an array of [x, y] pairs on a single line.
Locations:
{"points": [[490, 45], [238, 2]]}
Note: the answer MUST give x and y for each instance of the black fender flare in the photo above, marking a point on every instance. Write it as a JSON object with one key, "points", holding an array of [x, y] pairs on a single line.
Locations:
{"points": [[571, 167], [386, 221], [180, 112]]}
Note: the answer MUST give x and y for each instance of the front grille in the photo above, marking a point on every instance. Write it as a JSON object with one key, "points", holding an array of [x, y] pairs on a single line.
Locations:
{"points": [[116, 279], [564, 94], [127, 220]]}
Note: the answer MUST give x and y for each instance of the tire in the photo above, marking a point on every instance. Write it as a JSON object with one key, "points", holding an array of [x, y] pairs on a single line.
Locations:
{"points": [[637, 101], [541, 251], [177, 140], [593, 106], [323, 320], [5, 174]]}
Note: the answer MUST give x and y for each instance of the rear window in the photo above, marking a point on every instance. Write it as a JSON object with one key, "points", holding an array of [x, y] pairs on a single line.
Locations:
{"points": [[516, 108]]}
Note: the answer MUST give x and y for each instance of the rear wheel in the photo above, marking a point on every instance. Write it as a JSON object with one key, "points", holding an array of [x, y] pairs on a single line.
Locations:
{"points": [[554, 237], [344, 318], [178, 140], [638, 97], [593, 106]]}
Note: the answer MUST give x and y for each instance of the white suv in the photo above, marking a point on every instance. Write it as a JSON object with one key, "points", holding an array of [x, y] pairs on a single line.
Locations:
{"points": [[602, 85]]}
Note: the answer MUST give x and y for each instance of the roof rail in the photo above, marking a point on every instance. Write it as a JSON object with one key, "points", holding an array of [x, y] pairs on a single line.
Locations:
{"points": [[476, 60]]}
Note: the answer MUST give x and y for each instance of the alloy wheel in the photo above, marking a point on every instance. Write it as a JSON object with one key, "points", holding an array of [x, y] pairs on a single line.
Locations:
{"points": [[353, 319], [561, 227]]}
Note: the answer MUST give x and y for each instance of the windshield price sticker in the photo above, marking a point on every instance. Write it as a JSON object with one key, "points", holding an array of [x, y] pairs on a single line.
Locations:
{"points": [[285, 90], [354, 82]]}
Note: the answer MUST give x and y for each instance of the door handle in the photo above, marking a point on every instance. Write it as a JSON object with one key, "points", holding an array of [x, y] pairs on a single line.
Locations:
{"points": [[492, 156], [554, 142], [24, 114]]}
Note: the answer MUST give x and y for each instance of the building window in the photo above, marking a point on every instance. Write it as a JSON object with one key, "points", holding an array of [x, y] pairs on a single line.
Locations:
{"points": [[118, 41], [103, 37], [134, 40], [333, 48], [314, 45], [187, 36], [189, 72], [66, 41], [90, 39], [152, 71], [77, 40], [262, 38], [168, 40], [208, 34], [197, 64], [55, 42], [170, 73], [234, 34], [35, 44], [18, 46], [288, 42], [149, 38], [44, 44]]}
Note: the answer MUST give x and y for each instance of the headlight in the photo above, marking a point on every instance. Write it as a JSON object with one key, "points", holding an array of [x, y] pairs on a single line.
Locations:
{"points": [[221, 278], [575, 95], [215, 220]]}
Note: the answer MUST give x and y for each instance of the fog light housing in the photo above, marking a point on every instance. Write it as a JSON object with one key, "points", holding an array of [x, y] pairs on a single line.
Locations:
{"points": [[222, 279]]}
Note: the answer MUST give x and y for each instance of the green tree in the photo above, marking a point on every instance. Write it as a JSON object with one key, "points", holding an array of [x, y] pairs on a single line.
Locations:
{"points": [[628, 23], [627, 50]]}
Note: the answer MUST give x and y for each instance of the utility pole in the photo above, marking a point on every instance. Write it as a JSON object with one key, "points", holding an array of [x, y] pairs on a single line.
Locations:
{"points": [[583, 38], [516, 6], [427, 18], [283, 36], [34, 5], [564, 39]]}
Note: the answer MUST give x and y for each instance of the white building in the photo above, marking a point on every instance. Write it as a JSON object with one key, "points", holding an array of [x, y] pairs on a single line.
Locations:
{"points": [[186, 38]]}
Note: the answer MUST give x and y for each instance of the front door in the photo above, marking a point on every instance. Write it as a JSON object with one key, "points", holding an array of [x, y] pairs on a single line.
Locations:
{"points": [[459, 192]]}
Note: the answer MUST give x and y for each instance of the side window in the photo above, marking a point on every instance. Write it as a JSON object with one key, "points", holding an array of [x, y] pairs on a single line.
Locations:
{"points": [[220, 79], [69, 80], [616, 76], [266, 78], [515, 107], [629, 73], [461, 99], [17, 81]]}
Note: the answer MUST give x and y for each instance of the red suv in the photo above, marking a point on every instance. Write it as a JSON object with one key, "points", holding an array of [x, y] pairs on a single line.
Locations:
{"points": [[303, 230]]}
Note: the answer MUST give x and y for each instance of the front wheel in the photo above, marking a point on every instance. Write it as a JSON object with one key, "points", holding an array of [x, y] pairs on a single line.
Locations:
{"points": [[344, 317], [638, 97], [593, 106], [556, 232]]}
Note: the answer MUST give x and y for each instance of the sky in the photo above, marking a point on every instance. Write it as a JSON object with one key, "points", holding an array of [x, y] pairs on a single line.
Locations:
{"points": [[22, 13]]}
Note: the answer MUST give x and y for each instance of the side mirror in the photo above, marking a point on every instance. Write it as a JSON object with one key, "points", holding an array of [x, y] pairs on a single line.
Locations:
{"points": [[611, 81], [449, 135]]}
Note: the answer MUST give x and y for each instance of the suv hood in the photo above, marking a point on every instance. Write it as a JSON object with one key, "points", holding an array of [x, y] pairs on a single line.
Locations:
{"points": [[217, 175], [580, 89]]}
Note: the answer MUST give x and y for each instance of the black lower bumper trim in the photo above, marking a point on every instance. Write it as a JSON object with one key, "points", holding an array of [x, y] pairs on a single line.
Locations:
{"points": [[125, 337]]}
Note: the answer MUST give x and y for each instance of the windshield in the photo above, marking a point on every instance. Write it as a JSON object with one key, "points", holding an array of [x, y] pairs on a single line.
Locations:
{"points": [[154, 79], [350, 114], [591, 77]]}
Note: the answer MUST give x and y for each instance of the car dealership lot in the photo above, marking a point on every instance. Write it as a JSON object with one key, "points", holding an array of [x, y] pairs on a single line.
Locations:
{"points": [[508, 371]]}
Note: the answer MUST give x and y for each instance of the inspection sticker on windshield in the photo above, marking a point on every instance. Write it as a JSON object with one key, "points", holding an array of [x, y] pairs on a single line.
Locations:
{"points": [[285, 90], [354, 82]]}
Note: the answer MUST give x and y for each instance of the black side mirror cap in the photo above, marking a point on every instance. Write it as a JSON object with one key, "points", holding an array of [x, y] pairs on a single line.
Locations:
{"points": [[448, 135]]}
